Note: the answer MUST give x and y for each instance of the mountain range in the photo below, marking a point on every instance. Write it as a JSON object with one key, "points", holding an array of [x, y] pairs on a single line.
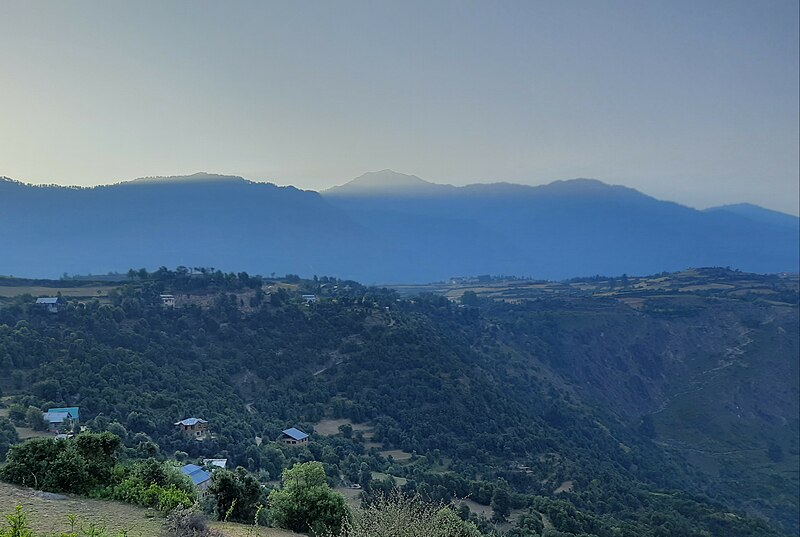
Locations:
{"points": [[382, 227]]}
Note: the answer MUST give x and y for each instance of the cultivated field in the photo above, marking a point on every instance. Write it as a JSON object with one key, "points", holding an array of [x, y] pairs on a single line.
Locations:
{"points": [[95, 291]]}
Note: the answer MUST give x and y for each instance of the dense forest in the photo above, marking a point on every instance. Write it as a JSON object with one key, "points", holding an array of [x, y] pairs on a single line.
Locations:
{"points": [[558, 408]]}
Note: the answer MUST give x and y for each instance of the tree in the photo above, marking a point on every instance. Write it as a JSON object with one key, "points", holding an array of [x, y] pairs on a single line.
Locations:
{"points": [[8, 436], [501, 504], [35, 419], [73, 465], [236, 495], [17, 414], [306, 503], [469, 298]]}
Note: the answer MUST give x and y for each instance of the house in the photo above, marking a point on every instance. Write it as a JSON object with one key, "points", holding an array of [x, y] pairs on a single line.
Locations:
{"points": [[200, 478], [168, 301], [50, 303], [310, 299], [216, 463], [61, 418], [196, 427], [293, 437]]}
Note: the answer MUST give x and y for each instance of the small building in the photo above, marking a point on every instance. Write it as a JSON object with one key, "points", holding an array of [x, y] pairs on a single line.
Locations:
{"points": [[59, 419], [216, 463], [293, 437], [50, 303], [168, 301], [200, 478], [195, 427], [309, 299]]}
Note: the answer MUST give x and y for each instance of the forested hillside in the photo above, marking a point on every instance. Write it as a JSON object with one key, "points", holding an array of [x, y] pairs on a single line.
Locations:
{"points": [[612, 408]]}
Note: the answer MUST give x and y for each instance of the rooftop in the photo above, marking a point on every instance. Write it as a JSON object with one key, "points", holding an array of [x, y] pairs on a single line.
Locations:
{"points": [[55, 417], [188, 422], [295, 433], [71, 410], [195, 473]]}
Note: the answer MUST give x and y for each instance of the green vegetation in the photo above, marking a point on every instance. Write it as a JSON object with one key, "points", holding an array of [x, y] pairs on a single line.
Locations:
{"points": [[402, 516], [151, 483], [236, 495], [498, 401], [306, 503], [79, 465]]}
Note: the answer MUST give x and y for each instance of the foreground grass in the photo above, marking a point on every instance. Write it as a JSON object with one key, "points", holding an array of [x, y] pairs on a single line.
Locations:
{"points": [[47, 513], [230, 529]]}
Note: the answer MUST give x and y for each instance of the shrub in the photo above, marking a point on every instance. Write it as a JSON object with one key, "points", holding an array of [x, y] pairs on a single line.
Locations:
{"points": [[403, 516], [155, 484], [187, 523], [306, 502]]}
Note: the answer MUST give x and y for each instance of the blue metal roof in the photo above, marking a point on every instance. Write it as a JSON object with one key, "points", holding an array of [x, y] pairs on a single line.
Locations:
{"points": [[71, 410], [47, 300], [196, 474], [190, 421], [55, 417], [189, 468], [296, 434]]}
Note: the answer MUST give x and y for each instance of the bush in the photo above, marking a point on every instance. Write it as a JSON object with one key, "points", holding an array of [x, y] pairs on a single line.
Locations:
{"points": [[402, 516], [187, 523], [153, 484]]}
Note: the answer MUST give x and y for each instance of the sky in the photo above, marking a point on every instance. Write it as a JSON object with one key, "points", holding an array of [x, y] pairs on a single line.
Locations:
{"points": [[695, 102]]}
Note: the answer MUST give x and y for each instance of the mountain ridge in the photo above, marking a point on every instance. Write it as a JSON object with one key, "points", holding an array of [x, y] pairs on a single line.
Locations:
{"points": [[411, 231], [413, 182]]}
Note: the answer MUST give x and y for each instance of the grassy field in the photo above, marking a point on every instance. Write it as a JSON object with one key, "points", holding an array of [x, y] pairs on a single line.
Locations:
{"points": [[47, 513], [718, 282], [241, 530], [330, 427], [397, 454], [69, 292]]}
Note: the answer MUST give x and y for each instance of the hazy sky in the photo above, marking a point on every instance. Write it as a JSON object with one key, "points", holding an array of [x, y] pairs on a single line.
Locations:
{"points": [[692, 101]]}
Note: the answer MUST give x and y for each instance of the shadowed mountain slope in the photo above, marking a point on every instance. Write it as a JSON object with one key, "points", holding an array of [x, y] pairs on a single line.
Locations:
{"points": [[380, 227]]}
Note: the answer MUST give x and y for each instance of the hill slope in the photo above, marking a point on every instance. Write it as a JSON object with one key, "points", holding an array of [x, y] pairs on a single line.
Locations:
{"points": [[626, 392]]}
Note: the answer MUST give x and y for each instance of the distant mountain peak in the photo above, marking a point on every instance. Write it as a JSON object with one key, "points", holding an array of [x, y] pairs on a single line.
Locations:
{"points": [[387, 182], [758, 214]]}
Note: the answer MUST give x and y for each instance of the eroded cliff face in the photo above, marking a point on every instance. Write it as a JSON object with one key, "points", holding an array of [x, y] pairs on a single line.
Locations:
{"points": [[714, 381]]}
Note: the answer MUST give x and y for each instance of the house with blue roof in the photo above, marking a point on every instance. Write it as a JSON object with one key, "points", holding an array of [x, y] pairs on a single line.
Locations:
{"points": [[50, 303], [61, 418], [195, 427], [293, 437], [200, 478]]}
